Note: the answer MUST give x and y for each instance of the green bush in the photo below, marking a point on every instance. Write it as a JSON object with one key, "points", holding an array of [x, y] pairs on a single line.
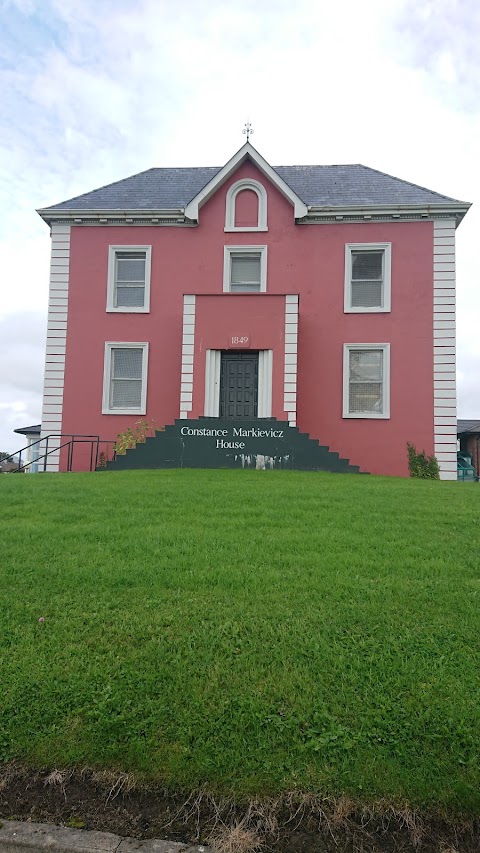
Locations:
{"points": [[131, 437], [422, 466]]}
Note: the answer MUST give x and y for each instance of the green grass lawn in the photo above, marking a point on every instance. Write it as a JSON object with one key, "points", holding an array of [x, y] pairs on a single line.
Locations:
{"points": [[249, 632]]}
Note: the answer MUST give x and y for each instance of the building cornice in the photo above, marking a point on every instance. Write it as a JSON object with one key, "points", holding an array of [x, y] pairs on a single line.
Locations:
{"points": [[313, 214], [115, 217], [359, 213]]}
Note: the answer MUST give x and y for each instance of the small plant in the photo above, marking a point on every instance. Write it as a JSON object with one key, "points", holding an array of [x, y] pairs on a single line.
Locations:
{"points": [[422, 466], [133, 436], [75, 822], [102, 460]]}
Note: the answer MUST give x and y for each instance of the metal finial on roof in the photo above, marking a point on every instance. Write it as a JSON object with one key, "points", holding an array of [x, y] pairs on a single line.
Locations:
{"points": [[248, 129]]}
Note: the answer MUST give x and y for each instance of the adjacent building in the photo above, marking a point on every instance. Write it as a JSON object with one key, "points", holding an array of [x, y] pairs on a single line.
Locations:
{"points": [[469, 441], [28, 458]]}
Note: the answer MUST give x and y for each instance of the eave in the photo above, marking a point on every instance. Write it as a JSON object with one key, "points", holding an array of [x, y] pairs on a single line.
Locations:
{"points": [[138, 216], [312, 214], [327, 213]]}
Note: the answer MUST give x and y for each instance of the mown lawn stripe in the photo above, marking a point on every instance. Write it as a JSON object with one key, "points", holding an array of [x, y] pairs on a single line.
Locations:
{"points": [[251, 632]]}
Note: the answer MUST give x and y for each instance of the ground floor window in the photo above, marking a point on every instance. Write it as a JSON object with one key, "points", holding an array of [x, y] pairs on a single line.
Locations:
{"points": [[366, 381], [125, 378]]}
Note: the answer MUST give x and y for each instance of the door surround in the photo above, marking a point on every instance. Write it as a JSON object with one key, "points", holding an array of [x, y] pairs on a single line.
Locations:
{"points": [[286, 361], [213, 360]]}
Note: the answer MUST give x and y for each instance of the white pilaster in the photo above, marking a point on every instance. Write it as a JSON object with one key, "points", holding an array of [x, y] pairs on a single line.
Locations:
{"points": [[290, 375], [55, 349], [188, 342], [444, 386]]}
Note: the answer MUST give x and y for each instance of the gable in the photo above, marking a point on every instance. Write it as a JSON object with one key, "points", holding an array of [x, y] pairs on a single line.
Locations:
{"points": [[247, 152]]}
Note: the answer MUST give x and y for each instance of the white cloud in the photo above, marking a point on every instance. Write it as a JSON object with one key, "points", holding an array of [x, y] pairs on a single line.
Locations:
{"points": [[22, 344], [442, 36], [90, 98], [26, 7]]}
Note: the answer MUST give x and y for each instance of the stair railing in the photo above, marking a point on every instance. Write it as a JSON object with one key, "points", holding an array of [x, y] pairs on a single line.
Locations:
{"points": [[73, 438]]}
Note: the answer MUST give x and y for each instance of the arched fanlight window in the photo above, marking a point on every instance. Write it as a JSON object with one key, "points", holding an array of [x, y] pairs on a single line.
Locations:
{"points": [[246, 206]]}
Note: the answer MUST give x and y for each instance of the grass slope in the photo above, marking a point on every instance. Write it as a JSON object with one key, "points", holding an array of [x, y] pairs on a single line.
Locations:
{"points": [[252, 632]]}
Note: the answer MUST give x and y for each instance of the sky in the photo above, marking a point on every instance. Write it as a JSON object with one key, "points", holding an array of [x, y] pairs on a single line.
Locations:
{"points": [[92, 91]]}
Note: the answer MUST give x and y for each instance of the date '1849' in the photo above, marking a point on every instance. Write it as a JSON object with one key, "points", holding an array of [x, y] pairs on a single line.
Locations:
{"points": [[239, 341]]}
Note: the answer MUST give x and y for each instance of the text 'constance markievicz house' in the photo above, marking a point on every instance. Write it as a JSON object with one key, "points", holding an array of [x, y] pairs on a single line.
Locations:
{"points": [[207, 298]]}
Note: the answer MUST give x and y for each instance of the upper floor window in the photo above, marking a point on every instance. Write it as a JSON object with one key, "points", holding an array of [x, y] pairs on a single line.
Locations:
{"points": [[366, 381], [128, 287], [367, 277], [246, 206], [245, 269]]}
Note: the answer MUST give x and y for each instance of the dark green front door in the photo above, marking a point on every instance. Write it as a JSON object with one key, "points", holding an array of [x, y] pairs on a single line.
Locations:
{"points": [[239, 385]]}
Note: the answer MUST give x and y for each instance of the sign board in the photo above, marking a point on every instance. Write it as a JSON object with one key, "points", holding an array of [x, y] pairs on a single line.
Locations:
{"points": [[216, 443]]}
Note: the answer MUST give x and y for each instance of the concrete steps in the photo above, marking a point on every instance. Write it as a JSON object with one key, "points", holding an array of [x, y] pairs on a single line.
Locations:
{"points": [[214, 443]]}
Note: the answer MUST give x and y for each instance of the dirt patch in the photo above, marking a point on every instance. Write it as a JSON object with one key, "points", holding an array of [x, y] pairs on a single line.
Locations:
{"points": [[301, 823]]}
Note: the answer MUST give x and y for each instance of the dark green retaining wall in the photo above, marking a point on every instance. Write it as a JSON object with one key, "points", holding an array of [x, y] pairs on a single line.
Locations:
{"points": [[214, 443]]}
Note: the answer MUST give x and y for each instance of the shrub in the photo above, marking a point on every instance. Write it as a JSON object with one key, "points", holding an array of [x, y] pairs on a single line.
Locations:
{"points": [[422, 466], [131, 437]]}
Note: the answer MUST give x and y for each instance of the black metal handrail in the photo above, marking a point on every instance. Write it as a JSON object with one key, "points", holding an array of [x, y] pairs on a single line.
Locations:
{"points": [[74, 438]]}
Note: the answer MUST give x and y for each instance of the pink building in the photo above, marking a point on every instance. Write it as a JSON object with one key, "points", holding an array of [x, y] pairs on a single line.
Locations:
{"points": [[320, 296]]}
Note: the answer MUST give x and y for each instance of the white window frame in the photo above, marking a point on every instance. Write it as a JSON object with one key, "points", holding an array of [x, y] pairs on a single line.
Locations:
{"points": [[231, 199], [112, 255], [385, 415], [386, 248], [109, 346], [236, 250]]}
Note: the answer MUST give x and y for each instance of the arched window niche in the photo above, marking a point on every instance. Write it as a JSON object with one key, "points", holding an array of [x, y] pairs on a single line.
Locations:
{"points": [[244, 212]]}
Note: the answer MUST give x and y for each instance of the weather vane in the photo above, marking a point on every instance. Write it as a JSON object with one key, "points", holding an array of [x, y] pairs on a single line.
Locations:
{"points": [[248, 129]]}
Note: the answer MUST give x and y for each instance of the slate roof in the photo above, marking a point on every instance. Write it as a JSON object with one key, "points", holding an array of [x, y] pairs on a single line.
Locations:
{"points": [[29, 430], [468, 426], [329, 186]]}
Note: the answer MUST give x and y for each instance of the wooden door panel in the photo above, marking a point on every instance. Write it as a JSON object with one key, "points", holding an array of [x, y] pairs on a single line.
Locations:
{"points": [[239, 385]]}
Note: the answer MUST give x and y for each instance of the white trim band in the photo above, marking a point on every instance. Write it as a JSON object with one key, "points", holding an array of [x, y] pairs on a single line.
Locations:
{"points": [[444, 381], [56, 345], [188, 349], [290, 358]]}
